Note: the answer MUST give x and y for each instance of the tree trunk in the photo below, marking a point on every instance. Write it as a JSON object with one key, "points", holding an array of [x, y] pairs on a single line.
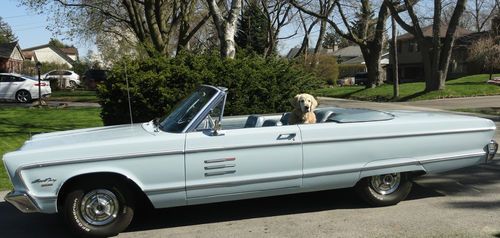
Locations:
{"points": [[226, 26], [372, 60]]}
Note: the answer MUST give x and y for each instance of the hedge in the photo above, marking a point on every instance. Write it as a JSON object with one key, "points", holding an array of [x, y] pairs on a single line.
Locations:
{"points": [[256, 85]]}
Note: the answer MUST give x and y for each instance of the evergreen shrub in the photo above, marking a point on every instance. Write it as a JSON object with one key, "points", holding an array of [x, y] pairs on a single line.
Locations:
{"points": [[256, 85]]}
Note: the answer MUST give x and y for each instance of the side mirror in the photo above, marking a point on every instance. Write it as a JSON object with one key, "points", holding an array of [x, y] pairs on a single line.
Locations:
{"points": [[217, 129]]}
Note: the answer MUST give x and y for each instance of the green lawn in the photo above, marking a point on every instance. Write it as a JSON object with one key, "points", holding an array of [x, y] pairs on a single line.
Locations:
{"points": [[469, 86], [17, 124], [73, 96]]}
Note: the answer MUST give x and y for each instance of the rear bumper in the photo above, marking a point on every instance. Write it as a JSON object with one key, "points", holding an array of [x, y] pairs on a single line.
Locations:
{"points": [[22, 201], [491, 150]]}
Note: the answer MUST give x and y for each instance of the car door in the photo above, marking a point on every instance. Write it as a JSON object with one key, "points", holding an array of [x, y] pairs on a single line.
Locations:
{"points": [[9, 86], [242, 161]]}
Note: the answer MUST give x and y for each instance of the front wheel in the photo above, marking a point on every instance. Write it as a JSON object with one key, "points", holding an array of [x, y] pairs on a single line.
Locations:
{"points": [[385, 189], [98, 211]]}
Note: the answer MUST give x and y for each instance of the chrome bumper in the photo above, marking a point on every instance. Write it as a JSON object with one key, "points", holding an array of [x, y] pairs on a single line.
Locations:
{"points": [[22, 201], [491, 150]]}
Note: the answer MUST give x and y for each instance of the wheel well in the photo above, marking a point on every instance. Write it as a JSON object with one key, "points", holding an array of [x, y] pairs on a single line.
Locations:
{"points": [[139, 196]]}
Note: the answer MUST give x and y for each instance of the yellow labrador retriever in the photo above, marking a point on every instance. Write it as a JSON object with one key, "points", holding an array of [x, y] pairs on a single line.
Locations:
{"points": [[303, 112]]}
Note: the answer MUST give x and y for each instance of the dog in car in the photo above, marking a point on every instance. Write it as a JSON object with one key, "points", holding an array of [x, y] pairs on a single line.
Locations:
{"points": [[303, 112]]}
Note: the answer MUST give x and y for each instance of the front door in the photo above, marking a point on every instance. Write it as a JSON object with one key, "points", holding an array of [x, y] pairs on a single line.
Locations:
{"points": [[243, 160]]}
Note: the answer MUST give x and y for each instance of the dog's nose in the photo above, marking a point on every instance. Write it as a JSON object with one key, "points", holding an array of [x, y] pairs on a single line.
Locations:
{"points": [[307, 108]]}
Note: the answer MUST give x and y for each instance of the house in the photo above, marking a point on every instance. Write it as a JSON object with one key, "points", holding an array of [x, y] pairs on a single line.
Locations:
{"points": [[410, 63], [11, 58], [51, 54]]}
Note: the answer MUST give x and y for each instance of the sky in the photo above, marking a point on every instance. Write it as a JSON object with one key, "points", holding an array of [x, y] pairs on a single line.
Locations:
{"points": [[30, 28]]}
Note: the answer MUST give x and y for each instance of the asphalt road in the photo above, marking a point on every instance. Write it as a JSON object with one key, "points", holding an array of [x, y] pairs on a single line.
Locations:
{"points": [[462, 203]]}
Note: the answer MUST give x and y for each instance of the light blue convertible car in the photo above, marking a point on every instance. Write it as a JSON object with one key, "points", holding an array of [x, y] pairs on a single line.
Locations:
{"points": [[195, 155]]}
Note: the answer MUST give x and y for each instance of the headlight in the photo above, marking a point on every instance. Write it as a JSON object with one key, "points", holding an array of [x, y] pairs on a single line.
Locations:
{"points": [[491, 150]]}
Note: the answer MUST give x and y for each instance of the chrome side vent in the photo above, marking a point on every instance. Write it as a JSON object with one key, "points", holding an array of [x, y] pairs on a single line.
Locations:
{"points": [[220, 167]]}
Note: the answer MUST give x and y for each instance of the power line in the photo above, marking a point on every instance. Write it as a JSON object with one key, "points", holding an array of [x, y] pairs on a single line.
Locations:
{"points": [[25, 15]]}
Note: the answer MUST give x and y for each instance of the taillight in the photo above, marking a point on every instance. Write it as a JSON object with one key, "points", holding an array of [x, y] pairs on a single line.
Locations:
{"points": [[41, 84]]}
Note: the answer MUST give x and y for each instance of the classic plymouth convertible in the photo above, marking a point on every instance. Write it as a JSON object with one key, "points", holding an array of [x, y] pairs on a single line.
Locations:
{"points": [[195, 156]]}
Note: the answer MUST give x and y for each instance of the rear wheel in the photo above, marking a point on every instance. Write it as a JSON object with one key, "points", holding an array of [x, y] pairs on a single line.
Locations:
{"points": [[98, 210], [23, 96], [72, 84], [385, 189]]}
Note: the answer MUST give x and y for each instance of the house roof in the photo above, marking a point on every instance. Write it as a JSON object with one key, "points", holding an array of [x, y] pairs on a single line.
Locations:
{"points": [[349, 51], [70, 50], [467, 40], [427, 31], [384, 59], [55, 49], [6, 49]]}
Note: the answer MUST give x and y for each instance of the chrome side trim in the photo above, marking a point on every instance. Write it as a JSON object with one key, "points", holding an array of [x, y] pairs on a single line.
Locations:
{"points": [[199, 150], [219, 160], [456, 157], [89, 160], [401, 135], [220, 173], [220, 166], [165, 190], [242, 182]]}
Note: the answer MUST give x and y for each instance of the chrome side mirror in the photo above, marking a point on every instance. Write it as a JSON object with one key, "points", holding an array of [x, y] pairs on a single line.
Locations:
{"points": [[216, 131]]}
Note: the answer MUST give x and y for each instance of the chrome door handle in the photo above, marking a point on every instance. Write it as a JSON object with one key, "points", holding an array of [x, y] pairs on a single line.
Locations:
{"points": [[286, 136]]}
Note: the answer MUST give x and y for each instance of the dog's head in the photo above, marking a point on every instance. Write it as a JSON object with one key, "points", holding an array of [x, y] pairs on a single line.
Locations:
{"points": [[304, 102]]}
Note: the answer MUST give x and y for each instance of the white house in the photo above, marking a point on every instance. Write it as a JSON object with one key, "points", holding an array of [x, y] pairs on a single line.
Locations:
{"points": [[51, 54]]}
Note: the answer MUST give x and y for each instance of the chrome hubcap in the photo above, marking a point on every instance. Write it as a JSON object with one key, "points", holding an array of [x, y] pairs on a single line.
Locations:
{"points": [[99, 207], [385, 184]]}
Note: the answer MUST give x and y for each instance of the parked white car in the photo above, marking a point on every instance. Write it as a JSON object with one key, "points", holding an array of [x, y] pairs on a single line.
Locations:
{"points": [[22, 88], [67, 78]]}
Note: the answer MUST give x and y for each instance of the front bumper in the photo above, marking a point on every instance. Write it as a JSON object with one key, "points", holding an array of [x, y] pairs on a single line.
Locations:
{"points": [[22, 201]]}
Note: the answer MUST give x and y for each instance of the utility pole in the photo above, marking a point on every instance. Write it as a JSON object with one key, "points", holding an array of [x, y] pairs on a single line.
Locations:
{"points": [[38, 68], [394, 53]]}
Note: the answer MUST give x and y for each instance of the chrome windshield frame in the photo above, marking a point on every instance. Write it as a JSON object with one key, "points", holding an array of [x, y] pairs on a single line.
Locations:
{"points": [[219, 95]]}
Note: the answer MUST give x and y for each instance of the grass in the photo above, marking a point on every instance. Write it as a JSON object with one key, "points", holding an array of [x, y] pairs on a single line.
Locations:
{"points": [[469, 86], [73, 96], [17, 124]]}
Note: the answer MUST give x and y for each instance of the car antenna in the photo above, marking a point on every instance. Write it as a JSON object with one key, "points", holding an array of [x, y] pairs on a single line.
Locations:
{"points": [[128, 97]]}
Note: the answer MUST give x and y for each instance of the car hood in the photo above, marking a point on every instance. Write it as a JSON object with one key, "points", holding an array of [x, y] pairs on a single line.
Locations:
{"points": [[89, 136]]}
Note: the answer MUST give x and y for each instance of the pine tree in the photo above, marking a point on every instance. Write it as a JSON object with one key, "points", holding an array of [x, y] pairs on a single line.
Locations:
{"points": [[6, 34], [252, 29]]}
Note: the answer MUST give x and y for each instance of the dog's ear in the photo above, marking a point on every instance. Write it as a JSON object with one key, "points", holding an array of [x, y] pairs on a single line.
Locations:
{"points": [[295, 101], [314, 103]]}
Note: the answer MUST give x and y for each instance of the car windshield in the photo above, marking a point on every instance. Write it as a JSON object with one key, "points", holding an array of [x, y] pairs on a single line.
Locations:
{"points": [[186, 110]]}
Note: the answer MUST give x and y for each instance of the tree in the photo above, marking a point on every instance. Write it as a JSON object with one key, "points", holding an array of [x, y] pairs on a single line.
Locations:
{"points": [[477, 15], [486, 51], [333, 39], [6, 34], [370, 40], [278, 14], [436, 51], [159, 26], [252, 31], [226, 25], [57, 43]]}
